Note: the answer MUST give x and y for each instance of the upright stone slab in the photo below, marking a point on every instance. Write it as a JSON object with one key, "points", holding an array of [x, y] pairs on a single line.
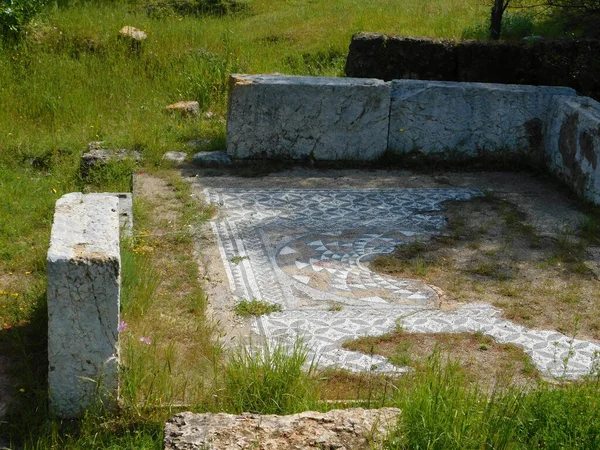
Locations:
{"points": [[290, 117], [83, 267], [450, 120], [572, 141]]}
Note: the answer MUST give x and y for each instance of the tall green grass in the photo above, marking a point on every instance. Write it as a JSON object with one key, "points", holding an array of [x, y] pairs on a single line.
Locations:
{"points": [[272, 379], [441, 410]]}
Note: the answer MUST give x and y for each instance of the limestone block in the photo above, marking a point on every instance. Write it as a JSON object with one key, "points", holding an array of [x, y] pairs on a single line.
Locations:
{"points": [[447, 119], [290, 117], [186, 108], [350, 429], [125, 212], [83, 269], [572, 141]]}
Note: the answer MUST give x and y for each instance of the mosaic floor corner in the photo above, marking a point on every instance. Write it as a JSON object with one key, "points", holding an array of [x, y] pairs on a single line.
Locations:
{"points": [[308, 248]]}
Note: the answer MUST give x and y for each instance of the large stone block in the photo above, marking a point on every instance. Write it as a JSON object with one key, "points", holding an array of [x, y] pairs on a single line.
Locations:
{"points": [[289, 117], [572, 141], [450, 119], [83, 268], [355, 428]]}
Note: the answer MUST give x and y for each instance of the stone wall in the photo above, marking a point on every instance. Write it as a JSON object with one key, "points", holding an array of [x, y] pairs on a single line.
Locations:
{"points": [[444, 118], [271, 116], [83, 270], [572, 144], [572, 63], [332, 119]]}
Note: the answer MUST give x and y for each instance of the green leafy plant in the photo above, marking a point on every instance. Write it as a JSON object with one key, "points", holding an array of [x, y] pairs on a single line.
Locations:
{"points": [[15, 15]]}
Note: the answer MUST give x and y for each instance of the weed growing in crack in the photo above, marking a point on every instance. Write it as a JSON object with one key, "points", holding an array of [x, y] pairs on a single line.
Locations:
{"points": [[254, 307]]}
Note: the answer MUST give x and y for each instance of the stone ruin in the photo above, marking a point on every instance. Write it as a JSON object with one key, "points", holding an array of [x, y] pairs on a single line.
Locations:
{"points": [[306, 118], [345, 119], [84, 284]]}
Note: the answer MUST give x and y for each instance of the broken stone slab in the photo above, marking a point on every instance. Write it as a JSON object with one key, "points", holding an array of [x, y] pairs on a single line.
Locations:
{"points": [[96, 155], [315, 118], [350, 429], [212, 159], [187, 108], [83, 272], [451, 119], [175, 157], [572, 142]]}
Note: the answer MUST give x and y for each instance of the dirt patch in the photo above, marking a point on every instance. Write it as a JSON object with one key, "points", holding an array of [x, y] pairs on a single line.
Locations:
{"points": [[484, 361], [167, 218], [492, 253]]}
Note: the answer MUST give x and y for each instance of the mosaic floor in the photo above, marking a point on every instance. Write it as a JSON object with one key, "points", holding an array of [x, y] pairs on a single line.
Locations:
{"points": [[308, 250]]}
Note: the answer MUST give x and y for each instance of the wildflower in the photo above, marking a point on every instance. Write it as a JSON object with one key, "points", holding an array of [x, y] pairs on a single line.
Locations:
{"points": [[21, 390], [145, 340], [27, 272], [54, 190], [122, 326]]}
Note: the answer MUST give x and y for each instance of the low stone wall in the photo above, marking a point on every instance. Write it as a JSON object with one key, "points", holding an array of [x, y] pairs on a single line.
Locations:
{"points": [[572, 144], [83, 270], [333, 119], [443, 119], [569, 62], [287, 117]]}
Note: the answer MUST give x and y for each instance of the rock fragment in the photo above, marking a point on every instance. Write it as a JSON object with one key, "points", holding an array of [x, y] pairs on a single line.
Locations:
{"points": [[350, 429]]}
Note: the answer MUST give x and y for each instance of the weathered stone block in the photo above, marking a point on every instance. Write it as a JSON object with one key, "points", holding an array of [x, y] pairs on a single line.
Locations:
{"points": [[572, 141], [448, 119], [83, 269], [350, 429], [289, 117]]}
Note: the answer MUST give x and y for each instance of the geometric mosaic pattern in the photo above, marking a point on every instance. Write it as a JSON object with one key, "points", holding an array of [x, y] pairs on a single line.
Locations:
{"points": [[307, 249]]}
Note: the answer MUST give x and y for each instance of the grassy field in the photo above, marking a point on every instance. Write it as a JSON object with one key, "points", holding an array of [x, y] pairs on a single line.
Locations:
{"points": [[70, 81]]}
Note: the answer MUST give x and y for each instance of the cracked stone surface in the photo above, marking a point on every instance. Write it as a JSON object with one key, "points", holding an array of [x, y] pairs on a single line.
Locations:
{"points": [[437, 116], [83, 269], [308, 249], [351, 429], [292, 117]]}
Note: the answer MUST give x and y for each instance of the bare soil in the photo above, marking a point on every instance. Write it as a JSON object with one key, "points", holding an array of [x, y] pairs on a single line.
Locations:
{"points": [[483, 360], [492, 252]]}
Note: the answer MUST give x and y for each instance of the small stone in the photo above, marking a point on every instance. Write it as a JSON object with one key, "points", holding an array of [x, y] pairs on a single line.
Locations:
{"points": [[189, 108], [96, 155], [211, 159], [133, 33], [176, 157]]}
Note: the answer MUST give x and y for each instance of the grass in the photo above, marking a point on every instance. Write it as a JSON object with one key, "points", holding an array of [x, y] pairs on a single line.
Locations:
{"points": [[441, 410], [484, 362], [272, 379], [254, 308]]}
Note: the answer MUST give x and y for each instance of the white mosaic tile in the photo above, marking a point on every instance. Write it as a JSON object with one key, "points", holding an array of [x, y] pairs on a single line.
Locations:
{"points": [[305, 248]]}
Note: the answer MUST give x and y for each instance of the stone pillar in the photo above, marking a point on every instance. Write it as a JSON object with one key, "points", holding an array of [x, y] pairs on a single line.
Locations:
{"points": [[84, 270]]}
